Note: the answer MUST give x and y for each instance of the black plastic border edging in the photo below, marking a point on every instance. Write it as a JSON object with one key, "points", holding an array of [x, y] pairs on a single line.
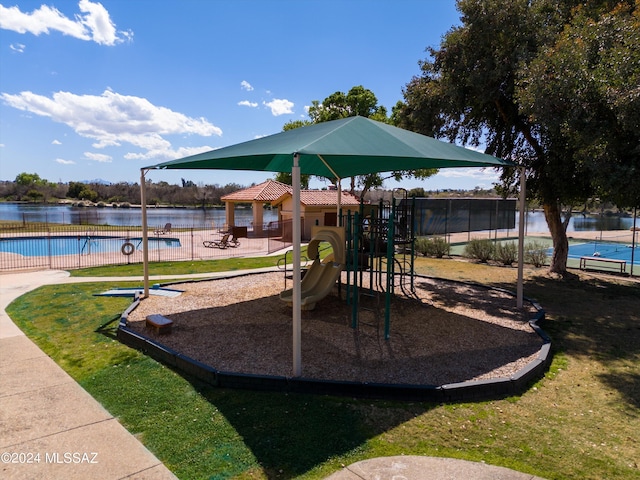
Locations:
{"points": [[475, 390]]}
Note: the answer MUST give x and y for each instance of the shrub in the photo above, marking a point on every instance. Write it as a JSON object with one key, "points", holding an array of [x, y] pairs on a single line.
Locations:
{"points": [[479, 249], [506, 253], [439, 247], [432, 247], [422, 246], [535, 253]]}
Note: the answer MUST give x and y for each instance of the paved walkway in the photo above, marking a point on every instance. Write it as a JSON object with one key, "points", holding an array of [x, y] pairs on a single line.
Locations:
{"points": [[50, 427], [413, 467]]}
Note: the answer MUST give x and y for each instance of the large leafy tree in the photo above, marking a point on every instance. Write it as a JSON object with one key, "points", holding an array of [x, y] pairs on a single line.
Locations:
{"points": [[285, 177], [359, 101], [583, 91], [32, 186], [532, 80]]}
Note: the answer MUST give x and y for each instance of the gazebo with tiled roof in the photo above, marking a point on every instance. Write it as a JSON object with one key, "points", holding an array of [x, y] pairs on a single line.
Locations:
{"points": [[265, 192]]}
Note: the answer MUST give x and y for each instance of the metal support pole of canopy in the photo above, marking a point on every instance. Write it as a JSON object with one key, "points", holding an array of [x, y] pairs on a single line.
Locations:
{"points": [[520, 287], [145, 232], [297, 288], [633, 239]]}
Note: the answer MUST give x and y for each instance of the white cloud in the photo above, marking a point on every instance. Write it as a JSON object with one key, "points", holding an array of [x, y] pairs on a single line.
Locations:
{"points": [[62, 161], [246, 86], [485, 174], [92, 24], [17, 47], [98, 157], [247, 103], [279, 106], [56, 142], [168, 153], [112, 119]]}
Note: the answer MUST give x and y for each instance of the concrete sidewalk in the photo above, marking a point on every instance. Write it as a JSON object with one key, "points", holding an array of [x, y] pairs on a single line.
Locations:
{"points": [[412, 467], [52, 428]]}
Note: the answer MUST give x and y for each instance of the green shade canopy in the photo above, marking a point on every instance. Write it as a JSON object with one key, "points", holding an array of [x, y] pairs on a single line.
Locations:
{"points": [[338, 149]]}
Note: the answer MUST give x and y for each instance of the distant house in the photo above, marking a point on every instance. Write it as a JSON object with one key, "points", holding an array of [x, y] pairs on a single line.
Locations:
{"points": [[317, 207]]}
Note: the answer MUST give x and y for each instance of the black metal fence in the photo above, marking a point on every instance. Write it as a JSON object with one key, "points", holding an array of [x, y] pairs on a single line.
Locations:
{"points": [[52, 246], [443, 216]]}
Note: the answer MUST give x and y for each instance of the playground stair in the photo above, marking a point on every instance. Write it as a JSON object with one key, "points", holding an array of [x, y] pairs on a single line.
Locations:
{"points": [[370, 310]]}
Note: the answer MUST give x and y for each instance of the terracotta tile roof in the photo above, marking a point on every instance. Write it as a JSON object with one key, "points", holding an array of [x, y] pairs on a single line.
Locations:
{"points": [[318, 198], [268, 191], [327, 197]]}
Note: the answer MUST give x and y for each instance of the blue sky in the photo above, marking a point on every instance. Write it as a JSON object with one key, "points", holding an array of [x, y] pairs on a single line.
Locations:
{"points": [[97, 90]]}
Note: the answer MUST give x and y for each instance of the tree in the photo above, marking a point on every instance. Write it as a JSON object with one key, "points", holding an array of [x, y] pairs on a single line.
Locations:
{"points": [[359, 101], [285, 177], [502, 79], [87, 193], [595, 62], [29, 179], [74, 189], [31, 185]]}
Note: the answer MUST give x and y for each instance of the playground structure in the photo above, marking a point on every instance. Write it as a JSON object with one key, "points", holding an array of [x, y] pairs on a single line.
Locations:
{"points": [[376, 248], [321, 275]]}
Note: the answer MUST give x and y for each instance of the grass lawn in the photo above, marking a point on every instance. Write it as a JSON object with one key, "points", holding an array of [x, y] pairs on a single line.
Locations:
{"points": [[580, 422], [188, 267], [177, 268]]}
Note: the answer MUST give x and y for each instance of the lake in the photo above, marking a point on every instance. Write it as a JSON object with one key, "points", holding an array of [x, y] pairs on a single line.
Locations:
{"points": [[66, 214], [535, 222]]}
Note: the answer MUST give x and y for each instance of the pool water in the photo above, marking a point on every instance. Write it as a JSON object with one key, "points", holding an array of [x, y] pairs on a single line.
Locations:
{"points": [[77, 245]]}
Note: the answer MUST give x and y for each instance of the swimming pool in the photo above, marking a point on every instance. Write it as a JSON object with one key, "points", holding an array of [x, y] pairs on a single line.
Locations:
{"points": [[79, 245], [617, 251]]}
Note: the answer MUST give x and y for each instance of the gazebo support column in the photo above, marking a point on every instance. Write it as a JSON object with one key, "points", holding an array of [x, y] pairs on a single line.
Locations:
{"points": [[258, 218], [229, 214]]}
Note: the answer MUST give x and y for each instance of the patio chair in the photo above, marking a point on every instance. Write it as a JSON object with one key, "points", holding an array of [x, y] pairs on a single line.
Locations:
{"points": [[226, 241], [162, 231]]}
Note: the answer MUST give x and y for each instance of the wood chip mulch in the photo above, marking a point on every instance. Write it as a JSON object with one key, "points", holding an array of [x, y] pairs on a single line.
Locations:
{"points": [[448, 333]]}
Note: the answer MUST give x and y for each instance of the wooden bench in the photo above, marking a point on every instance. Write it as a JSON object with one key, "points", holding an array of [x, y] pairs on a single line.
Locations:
{"points": [[161, 324], [621, 263]]}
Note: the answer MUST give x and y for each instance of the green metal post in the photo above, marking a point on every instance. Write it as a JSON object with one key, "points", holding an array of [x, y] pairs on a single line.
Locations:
{"points": [[387, 301], [413, 240], [356, 233], [349, 259]]}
